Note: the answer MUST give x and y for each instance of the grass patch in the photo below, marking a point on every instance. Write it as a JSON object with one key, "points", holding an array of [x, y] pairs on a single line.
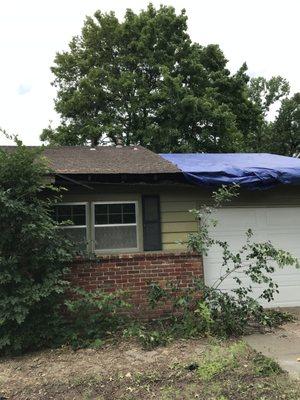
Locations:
{"points": [[220, 359]]}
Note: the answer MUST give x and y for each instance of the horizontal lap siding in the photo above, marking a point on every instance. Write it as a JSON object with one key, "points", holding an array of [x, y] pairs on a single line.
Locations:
{"points": [[176, 201], [176, 220]]}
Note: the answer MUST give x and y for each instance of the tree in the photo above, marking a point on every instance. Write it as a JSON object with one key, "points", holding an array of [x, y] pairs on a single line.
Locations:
{"points": [[285, 135], [265, 95], [32, 253], [143, 81]]}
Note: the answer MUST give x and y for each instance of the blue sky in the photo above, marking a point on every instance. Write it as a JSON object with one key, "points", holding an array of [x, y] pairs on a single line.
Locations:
{"points": [[264, 33]]}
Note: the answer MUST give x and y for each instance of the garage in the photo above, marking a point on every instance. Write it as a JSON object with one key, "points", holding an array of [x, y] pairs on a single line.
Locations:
{"points": [[269, 204], [280, 225]]}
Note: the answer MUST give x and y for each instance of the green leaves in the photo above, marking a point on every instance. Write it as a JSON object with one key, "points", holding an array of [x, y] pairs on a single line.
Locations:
{"points": [[32, 254], [144, 81], [285, 135]]}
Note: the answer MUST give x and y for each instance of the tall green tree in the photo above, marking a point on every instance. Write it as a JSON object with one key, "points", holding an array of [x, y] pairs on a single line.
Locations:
{"points": [[285, 131], [143, 81], [265, 95]]}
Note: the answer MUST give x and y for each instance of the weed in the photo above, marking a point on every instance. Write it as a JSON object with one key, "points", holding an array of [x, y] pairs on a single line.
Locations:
{"points": [[265, 366], [95, 315], [218, 360], [149, 338]]}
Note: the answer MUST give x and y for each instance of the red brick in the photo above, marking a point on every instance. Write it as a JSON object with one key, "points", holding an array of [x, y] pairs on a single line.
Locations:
{"points": [[134, 272]]}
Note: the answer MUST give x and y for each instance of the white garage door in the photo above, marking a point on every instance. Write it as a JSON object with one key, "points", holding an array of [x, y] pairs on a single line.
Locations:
{"points": [[280, 225]]}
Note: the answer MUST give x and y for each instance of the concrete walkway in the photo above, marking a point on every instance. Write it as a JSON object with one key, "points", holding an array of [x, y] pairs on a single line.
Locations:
{"points": [[283, 345]]}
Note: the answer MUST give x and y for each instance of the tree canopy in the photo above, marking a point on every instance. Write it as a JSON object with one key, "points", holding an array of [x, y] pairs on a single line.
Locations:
{"points": [[285, 132], [143, 81]]}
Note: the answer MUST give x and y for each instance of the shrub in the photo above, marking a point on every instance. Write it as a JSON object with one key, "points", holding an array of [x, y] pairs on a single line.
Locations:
{"points": [[149, 336], [93, 316], [32, 254]]}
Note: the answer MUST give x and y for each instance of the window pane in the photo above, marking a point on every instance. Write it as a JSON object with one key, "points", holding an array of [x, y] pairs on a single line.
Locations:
{"points": [[79, 209], [129, 218], [115, 218], [129, 208], [77, 236], [115, 208], [73, 213], [101, 208], [64, 211], [101, 219], [62, 218], [78, 219], [115, 237]]}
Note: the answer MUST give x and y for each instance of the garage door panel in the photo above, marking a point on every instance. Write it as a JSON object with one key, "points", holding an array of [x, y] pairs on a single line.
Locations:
{"points": [[286, 241], [237, 242], [281, 275], [278, 217], [227, 220], [280, 225]]}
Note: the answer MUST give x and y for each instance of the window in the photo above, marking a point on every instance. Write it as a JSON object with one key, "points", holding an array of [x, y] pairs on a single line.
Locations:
{"points": [[74, 216], [115, 225]]}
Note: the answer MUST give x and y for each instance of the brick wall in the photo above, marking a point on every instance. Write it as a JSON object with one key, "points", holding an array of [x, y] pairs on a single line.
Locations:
{"points": [[134, 272]]}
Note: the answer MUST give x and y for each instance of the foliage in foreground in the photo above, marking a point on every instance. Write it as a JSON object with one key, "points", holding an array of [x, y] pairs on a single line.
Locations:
{"points": [[32, 254], [33, 259], [93, 316], [199, 312]]}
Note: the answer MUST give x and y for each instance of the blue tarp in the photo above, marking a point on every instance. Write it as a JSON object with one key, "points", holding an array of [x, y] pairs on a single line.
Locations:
{"points": [[249, 170]]}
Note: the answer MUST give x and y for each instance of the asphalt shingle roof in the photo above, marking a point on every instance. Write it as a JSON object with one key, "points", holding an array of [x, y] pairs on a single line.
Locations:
{"points": [[105, 160]]}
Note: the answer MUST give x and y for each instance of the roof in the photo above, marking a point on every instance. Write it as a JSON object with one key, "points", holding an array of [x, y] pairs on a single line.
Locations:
{"points": [[249, 170], [105, 160]]}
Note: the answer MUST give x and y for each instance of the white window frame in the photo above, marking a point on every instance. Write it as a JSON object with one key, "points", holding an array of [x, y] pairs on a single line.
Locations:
{"points": [[79, 203], [136, 224]]}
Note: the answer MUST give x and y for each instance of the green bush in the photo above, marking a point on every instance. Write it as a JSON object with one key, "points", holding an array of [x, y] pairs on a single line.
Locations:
{"points": [[149, 336], [32, 255], [93, 316]]}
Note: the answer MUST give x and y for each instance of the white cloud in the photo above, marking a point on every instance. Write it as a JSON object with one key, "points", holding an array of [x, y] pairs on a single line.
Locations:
{"points": [[265, 34]]}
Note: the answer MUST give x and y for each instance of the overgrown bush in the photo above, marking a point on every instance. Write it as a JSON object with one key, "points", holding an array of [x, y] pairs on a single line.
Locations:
{"points": [[93, 316], [203, 310], [32, 254], [149, 336]]}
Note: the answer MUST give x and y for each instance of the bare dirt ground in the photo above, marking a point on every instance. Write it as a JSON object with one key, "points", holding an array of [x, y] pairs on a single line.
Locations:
{"points": [[182, 370], [64, 367]]}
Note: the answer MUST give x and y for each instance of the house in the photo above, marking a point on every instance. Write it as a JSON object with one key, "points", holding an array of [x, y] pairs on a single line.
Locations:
{"points": [[130, 208]]}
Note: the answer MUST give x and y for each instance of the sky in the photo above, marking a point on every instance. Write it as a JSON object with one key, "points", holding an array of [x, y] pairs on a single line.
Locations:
{"points": [[264, 33]]}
